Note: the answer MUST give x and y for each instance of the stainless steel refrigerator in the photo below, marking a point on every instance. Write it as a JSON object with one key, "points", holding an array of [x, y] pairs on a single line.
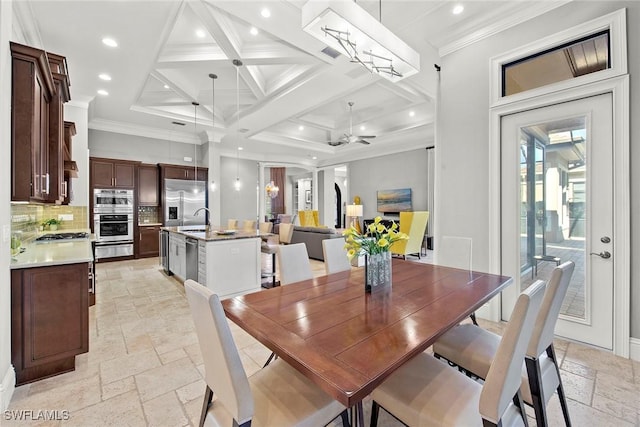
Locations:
{"points": [[182, 199]]}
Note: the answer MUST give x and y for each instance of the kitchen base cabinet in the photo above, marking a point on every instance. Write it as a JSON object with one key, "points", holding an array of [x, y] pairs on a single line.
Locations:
{"points": [[148, 241], [49, 319], [231, 267]]}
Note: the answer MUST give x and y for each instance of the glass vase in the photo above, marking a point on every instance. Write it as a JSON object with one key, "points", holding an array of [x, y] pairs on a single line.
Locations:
{"points": [[377, 272]]}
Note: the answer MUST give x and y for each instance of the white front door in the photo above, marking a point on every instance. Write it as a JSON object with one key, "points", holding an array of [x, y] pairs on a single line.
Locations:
{"points": [[557, 205]]}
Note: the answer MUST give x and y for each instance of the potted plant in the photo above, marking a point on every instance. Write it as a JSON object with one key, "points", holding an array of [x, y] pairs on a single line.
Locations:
{"points": [[51, 223]]}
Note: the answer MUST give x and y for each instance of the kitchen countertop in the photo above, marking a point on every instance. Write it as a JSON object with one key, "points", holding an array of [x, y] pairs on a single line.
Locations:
{"points": [[211, 236], [53, 253], [149, 224]]}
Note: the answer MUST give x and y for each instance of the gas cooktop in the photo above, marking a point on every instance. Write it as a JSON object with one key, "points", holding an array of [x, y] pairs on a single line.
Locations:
{"points": [[62, 236]]}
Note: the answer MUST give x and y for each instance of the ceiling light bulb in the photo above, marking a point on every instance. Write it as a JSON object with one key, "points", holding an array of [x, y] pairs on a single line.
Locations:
{"points": [[166, 86], [110, 42], [237, 184], [266, 13], [362, 127], [105, 77], [253, 31], [240, 148], [458, 9], [412, 113], [200, 33], [103, 92], [314, 158], [300, 127]]}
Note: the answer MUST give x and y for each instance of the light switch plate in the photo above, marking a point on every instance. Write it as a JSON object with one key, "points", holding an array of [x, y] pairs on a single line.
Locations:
{"points": [[6, 233], [65, 217]]}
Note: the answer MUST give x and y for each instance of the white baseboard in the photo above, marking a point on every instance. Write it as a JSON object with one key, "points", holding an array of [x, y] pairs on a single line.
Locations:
{"points": [[634, 349], [7, 387]]}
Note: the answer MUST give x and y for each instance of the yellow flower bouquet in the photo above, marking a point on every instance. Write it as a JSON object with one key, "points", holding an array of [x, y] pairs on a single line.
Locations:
{"points": [[375, 243], [376, 239]]}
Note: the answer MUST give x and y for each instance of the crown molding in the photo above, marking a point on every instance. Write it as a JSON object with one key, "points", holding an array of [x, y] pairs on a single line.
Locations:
{"points": [[533, 10]]}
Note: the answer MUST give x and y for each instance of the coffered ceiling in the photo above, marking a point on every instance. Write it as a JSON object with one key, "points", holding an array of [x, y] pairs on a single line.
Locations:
{"points": [[287, 100]]}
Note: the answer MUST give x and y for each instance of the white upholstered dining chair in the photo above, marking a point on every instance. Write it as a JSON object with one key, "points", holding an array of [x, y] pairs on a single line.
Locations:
{"points": [[472, 348], [335, 256], [293, 263], [426, 391], [276, 396]]}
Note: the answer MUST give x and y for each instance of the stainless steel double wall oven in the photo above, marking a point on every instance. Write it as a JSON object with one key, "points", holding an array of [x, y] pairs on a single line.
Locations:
{"points": [[113, 222]]}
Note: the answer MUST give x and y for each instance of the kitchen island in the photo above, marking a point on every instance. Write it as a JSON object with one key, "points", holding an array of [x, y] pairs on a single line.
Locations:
{"points": [[227, 262]]}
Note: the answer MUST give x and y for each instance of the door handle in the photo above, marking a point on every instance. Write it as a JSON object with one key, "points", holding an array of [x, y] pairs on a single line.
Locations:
{"points": [[603, 255]]}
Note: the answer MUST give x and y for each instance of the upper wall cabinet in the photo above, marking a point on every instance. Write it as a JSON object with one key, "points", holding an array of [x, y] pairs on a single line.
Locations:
{"points": [[40, 87], [183, 172], [70, 167], [32, 89], [148, 185], [111, 173]]}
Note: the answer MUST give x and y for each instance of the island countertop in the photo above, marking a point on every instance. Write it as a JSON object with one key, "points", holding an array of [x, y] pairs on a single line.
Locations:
{"points": [[214, 233], [53, 253]]}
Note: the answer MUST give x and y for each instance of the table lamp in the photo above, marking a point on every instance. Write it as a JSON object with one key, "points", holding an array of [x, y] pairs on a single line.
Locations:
{"points": [[355, 211]]}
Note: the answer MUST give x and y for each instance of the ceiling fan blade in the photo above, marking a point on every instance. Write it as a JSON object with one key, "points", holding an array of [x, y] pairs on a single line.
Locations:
{"points": [[362, 141], [366, 136]]}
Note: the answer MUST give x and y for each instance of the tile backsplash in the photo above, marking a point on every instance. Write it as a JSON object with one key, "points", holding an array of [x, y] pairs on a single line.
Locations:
{"points": [[26, 219], [147, 214]]}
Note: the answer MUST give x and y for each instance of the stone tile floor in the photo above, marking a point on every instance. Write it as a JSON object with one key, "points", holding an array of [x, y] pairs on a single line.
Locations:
{"points": [[144, 366]]}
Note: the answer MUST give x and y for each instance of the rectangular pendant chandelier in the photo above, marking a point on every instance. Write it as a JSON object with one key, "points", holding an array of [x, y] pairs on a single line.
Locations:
{"points": [[352, 31]]}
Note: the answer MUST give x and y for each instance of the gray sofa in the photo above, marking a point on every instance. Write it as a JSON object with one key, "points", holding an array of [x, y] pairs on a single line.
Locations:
{"points": [[313, 237]]}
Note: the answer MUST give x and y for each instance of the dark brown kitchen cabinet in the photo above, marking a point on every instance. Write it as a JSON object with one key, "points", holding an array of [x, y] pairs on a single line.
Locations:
{"points": [[70, 167], [148, 182], [49, 319], [32, 88], [56, 187], [111, 173], [148, 240], [183, 172]]}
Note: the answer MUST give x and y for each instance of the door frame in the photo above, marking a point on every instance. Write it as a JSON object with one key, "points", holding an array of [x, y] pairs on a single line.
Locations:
{"points": [[619, 88]]}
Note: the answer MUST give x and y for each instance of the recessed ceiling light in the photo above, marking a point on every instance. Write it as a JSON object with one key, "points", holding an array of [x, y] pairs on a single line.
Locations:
{"points": [[110, 42], [266, 13], [166, 86], [200, 33], [458, 9], [314, 157], [105, 77], [103, 92], [300, 127], [253, 31], [362, 127], [240, 148], [412, 113]]}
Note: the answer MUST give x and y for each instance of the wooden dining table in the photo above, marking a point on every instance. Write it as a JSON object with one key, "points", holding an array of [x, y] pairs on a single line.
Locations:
{"points": [[348, 341]]}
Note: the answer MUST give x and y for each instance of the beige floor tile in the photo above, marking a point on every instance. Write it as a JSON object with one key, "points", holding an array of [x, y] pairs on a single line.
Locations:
{"points": [[172, 356], [118, 387], [577, 388], [193, 391], [618, 389], [158, 381], [165, 411], [128, 365], [123, 410]]}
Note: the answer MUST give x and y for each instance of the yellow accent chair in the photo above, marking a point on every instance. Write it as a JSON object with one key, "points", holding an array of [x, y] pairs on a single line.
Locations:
{"points": [[414, 225], [309, 218]]}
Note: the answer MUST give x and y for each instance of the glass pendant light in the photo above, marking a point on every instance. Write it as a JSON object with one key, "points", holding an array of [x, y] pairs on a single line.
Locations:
{"points": [[238, 64], [195, 147]]}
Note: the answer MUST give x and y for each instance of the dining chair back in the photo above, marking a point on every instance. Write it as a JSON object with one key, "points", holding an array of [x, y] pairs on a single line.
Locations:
{"points": [[285, 233], [265, 227], [293, 263], [504, 377], [248, 225], [335, 256], [223, 370], [232, 224], [276, 396], [455, 252], [425, 391]]}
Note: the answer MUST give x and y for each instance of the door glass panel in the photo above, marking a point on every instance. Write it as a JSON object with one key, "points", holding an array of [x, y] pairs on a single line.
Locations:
{"points": [[570, 60], [552, 205]]}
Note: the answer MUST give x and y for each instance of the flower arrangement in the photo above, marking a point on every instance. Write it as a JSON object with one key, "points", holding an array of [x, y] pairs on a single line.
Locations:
{"points": [[51, 223], [376, 239]]}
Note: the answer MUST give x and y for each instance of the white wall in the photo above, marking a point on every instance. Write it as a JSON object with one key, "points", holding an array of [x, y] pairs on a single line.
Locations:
{"points": [[241, 204], [148, 150], [463, 128], [78, 113], [7, 378], [401, 170]]}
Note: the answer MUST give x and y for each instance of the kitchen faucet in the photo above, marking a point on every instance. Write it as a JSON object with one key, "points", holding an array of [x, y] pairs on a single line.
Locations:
{"points": [[208, 219]]}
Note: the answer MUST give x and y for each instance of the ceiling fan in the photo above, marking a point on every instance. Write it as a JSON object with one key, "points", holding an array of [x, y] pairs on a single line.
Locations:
{"points": [[348, 138]]}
